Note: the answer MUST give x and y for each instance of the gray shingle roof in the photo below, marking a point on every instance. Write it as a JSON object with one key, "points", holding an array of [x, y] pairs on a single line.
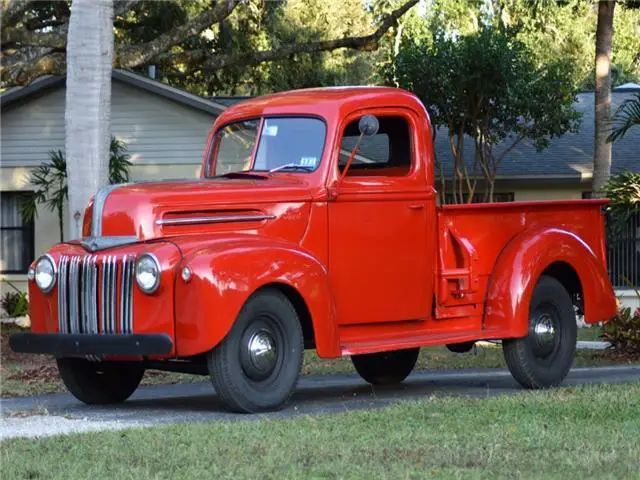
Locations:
{"points": [[569, 156]]}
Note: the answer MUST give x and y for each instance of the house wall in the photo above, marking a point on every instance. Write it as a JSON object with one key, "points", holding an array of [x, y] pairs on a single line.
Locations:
{"points": [[156, 130], [548, 193]]}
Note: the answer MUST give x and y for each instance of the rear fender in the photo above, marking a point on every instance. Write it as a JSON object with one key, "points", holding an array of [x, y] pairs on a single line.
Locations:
{"points": [[521, 263], [225, 274]]}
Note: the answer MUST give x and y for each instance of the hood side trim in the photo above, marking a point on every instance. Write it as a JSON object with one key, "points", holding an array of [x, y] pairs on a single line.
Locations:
{"points": [[216, 219], [98, 207]]}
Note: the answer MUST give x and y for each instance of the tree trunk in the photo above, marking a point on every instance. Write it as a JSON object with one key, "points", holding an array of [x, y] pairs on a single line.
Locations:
{"points": [[602, 149], [88, 103]]}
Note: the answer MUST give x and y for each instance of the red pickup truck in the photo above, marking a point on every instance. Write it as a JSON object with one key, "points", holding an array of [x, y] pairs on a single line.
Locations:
{"points": [[314, 225]]}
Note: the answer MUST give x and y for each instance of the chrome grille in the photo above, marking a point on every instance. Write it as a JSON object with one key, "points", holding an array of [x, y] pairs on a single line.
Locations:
{"points": [[95, 294]]}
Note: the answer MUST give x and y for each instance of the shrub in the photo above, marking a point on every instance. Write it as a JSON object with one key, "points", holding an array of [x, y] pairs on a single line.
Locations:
{"points": [[623, 331], [15, 303]]}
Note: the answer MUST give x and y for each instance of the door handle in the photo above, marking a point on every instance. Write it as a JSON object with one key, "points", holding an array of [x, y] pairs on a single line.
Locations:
{"points": [[416, 206]]}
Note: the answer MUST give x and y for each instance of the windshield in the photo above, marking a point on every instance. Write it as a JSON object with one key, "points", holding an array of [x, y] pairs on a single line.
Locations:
{"points": [[283, 144]]}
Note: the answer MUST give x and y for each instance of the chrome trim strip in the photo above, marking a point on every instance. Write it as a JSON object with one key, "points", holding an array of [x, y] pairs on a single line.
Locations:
{"points": [[123, 281], [203, 220], [113, 293], [62, 295], [98, 207], [103, 296]]}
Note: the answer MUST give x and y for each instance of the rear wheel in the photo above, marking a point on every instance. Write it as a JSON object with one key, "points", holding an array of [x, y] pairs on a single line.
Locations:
{"points": [[256, 367], [99, 383], [386, 368], [544, 357]]}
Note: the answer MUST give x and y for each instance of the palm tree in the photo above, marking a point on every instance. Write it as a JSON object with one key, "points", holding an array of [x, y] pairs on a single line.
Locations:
{"points": [[51, 187], [88, 102], [602, 149], [627, 115]]}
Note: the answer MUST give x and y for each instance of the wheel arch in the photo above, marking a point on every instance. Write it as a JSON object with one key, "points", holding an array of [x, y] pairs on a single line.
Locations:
{"points": [[570, 280], [548, 250], [301, 308], [226, 274]]}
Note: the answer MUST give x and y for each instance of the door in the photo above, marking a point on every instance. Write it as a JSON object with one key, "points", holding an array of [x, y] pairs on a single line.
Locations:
{"points": [[378, 217]]}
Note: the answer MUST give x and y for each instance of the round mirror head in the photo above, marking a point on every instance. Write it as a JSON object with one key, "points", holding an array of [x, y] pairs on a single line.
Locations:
{"points": [[368, 125]]}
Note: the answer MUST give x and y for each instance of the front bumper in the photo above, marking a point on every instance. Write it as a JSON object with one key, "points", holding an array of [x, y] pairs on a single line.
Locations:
{"points": [[62, 345]]}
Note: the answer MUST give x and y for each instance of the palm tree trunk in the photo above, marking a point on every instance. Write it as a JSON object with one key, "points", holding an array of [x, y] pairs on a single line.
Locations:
{"points": [[88, 103], [602, 150]]}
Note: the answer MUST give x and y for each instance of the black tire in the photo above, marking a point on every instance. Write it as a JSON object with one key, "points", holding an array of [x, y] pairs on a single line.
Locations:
{"points": [[99, 383], [263, 380], [544, 357], [386, 368]]}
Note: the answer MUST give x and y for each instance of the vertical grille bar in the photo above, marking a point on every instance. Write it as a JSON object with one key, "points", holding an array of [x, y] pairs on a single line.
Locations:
{"points": [[94, 294], [62, 295], [74, 297], [83, 295], [129, 293], [103, 296], [114, 297], [126, 295]]}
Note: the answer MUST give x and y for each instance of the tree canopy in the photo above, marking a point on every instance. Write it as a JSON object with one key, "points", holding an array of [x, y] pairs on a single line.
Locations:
{"points": [[484, 83], [208, 46]]}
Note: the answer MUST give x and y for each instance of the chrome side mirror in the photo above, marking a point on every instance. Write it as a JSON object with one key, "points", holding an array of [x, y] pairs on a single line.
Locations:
{"points": [[368, 125]]}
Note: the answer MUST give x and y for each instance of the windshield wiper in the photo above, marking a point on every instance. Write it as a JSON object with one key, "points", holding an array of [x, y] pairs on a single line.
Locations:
{"points": [[306, 168], [243, 174]]}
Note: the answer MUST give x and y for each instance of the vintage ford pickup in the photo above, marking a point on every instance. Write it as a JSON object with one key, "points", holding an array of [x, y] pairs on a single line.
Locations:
{"points": [[314, 225]]}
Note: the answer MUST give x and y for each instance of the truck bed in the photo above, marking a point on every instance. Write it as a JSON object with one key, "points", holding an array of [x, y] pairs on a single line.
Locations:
{"points": [[473, 236]]}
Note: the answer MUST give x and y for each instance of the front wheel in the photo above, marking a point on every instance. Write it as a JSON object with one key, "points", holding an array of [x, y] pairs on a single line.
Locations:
{"points": [[544, 357], [256, 367], [386, 368], [99, 383]]}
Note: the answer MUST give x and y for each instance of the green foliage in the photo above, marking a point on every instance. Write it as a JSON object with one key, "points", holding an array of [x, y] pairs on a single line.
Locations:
{"points": [[623, 331], [553, 31], [627, 115], [16, 303], [119, 163], [484, 84], [623, 191], [50, 182]]}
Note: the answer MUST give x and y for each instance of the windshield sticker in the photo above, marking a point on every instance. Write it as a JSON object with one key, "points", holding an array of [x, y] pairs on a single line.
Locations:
{"points": [[308, 161], [270, 130]]}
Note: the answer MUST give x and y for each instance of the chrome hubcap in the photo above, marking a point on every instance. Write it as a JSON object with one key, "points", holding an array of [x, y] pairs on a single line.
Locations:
{"points": [[544, 335], [261, 355]]}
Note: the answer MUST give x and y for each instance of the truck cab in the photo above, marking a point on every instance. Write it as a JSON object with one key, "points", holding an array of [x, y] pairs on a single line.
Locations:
{"points": [[315, 224]]}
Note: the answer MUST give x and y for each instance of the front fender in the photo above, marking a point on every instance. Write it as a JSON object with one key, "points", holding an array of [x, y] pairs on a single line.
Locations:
{"points": [[521, 263], [224, 275]]}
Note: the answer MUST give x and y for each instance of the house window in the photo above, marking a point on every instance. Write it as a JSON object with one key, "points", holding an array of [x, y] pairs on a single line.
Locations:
{"points": [[386, 153], [16, 235], [587, 195]]}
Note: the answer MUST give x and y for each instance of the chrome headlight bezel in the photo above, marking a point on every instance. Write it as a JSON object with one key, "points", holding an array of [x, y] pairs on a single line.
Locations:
{"points": [[45, 288], [155, 264]]}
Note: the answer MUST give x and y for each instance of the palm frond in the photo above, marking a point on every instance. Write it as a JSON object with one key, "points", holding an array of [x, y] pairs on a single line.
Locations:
{"points": [[627, 115]]}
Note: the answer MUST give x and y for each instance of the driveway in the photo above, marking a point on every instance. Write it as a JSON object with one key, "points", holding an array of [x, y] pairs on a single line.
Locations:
{"points": [[196, 402]]}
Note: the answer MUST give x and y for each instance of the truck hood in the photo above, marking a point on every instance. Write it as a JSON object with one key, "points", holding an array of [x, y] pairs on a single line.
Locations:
{"points": [[169, 208]]}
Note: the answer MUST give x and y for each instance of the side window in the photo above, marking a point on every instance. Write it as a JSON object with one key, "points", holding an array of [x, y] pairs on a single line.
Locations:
{"points": [[387, 153], [16, 234]]}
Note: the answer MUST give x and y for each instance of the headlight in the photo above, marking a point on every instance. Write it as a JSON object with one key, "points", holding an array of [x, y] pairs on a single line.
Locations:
{"points": [[45, 273], [148, 273]]}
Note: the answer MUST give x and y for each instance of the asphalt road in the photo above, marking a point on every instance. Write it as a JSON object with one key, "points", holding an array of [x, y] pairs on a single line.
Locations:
{"points": [[163, 404]]}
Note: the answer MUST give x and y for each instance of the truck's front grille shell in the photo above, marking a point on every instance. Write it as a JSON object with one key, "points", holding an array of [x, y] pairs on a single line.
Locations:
{"points": [[95, 294]]}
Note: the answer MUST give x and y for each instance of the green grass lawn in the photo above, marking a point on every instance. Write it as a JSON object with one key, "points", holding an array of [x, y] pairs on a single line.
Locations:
{"points": [[583, 432], [16, 380]]}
